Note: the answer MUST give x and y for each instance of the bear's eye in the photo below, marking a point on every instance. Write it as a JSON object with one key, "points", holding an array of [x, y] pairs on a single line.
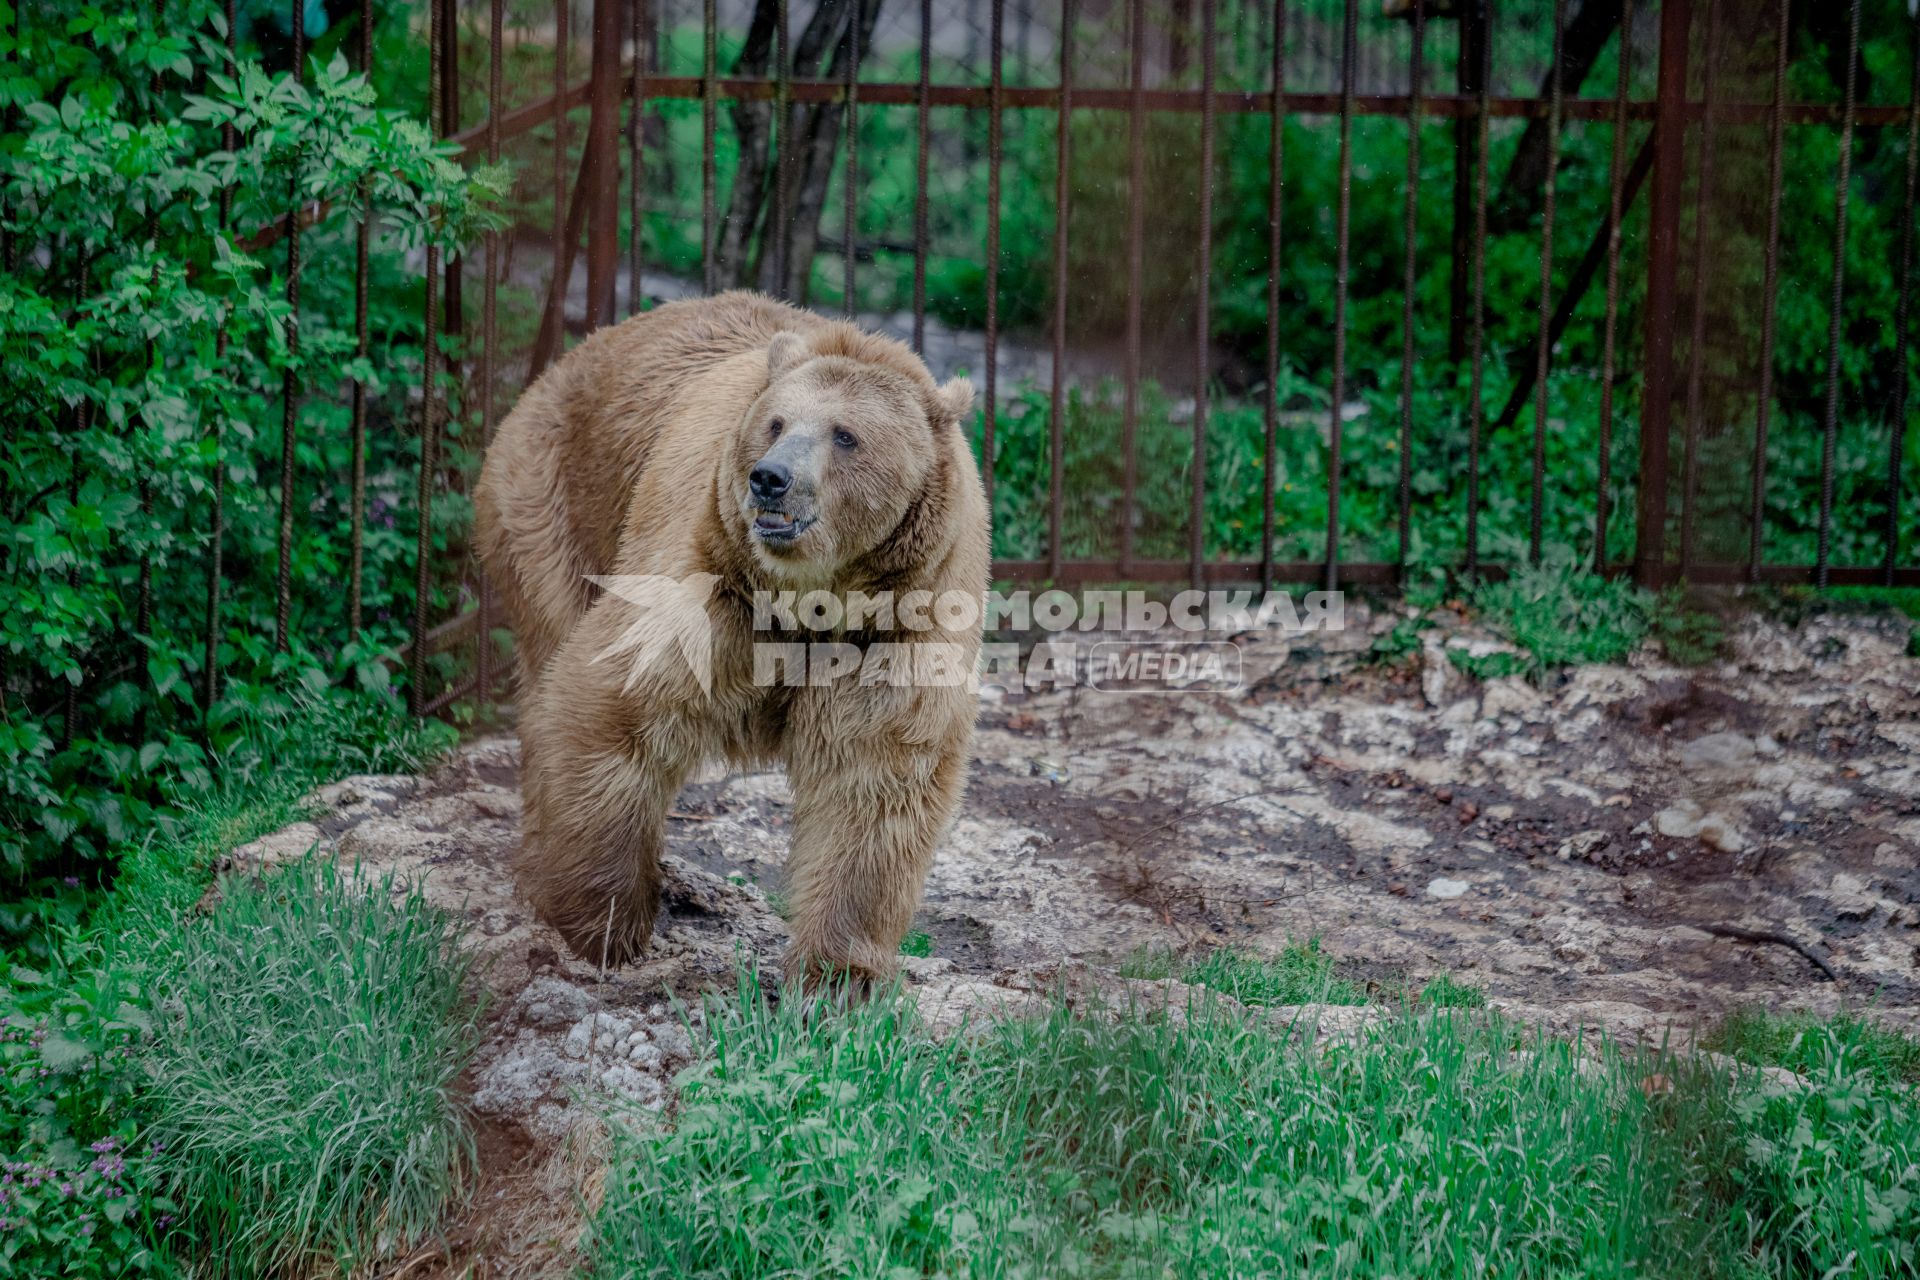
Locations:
{"points": [[775, 427], [844, 438]]}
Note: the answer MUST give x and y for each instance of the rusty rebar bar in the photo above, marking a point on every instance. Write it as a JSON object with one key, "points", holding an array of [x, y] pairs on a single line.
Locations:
{"points": [[1477, 328], [850, 177], [996, 83], [1343, 227], [1697, 339], [1136, 270], [1203, 304], [1769, 294], [362, 253], [1276, 170], [922, 144], [709, 119], [1543, 342], [1062, 197], [1842, 183], [1611, 333], [1902, 375], [1409, 279], [289, 377]]}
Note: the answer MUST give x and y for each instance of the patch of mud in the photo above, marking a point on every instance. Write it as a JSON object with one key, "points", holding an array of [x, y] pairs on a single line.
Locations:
{"points": [[1569, 846]]}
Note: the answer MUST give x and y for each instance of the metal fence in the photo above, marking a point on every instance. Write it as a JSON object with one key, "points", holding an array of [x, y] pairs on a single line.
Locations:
{"points": [[1681, 119]]}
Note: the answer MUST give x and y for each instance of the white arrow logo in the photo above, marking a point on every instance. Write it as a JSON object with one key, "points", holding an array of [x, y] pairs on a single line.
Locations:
{"points": [[668, 615]]}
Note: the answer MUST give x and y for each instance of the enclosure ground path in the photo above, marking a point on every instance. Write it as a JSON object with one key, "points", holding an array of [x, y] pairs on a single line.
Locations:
{"points": [[1621, 849]]}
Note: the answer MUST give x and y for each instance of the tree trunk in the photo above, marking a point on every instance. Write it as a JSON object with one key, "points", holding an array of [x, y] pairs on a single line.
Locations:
{"points": [[810, 140]]}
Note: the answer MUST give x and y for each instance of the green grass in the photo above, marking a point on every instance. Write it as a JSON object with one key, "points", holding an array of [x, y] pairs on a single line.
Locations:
{"points": [[1106, 1143], [1801, 1042], [1447, 992], [303, 1075], [1300, 973], [1564, 616]]}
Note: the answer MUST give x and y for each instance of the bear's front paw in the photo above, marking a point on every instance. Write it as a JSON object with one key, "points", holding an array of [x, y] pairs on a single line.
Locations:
{"points": [[852, 970]]}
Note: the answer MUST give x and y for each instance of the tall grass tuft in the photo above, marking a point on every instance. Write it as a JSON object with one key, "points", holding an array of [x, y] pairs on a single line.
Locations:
{"points": [[1100, 1144], [312, 1029]]}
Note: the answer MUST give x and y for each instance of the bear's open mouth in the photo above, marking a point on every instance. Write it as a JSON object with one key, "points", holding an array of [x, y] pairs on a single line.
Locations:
{"points": [[778, 526]]}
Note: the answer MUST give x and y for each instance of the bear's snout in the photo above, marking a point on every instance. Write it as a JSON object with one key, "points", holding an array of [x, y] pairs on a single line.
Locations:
{"points": [[769, 481]]}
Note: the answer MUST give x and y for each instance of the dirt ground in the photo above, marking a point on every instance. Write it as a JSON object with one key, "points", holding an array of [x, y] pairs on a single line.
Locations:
{"points": [[1622, 849]]}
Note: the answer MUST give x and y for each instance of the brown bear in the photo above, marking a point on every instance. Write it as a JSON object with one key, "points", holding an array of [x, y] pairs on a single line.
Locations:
{"points": [[710, 455]]}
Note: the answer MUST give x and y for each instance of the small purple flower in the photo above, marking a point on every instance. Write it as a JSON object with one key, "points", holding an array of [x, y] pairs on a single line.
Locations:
{"points": [[104, 1145], [72, 882], [66, 1188]]}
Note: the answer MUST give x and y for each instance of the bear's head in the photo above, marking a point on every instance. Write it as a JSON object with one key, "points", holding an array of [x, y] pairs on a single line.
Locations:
{"points": [[837, 450]]}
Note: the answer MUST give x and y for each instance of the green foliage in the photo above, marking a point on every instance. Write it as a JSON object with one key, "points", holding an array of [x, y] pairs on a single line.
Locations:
{"points": [[1562, 615], [77, 1007], [1300, 974], [1397, 645], [303, 1074], [142, 350], [1447, 992], [1113, 1143], [918, 944], [1802, 1042], [83, 1191], [1828, 1168]]}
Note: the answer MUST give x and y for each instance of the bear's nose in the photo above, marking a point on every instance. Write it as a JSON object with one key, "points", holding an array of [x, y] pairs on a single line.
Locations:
{"points": [[769, 481]]}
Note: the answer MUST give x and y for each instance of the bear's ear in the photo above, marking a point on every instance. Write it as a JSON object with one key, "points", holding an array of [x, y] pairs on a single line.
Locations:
{"points": [[952, 401], [784, 352]]}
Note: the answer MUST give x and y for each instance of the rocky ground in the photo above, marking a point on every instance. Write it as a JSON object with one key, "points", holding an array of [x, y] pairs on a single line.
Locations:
{"points": [[1622, 849]]}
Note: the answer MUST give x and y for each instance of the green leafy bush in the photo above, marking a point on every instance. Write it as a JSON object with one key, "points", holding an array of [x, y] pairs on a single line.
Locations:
{"points": [[142, 350]]}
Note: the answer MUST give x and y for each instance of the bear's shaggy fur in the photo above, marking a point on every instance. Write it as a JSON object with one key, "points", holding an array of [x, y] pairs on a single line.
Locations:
{"points": [[632, 456]]}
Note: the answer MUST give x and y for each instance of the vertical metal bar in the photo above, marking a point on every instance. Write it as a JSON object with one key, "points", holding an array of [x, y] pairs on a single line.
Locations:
{"points": [[1343, 224], [1136, 269], [216, 536], [1769, 293], [1669, 177], [850, 179], [289, 379], [601, 171], [1203, 304], [363, 241], [922, 125], [1477, 297], [1609, 347], [1543, 344], [709, 118], [1409, 280], [489, 319], [780, 224], [1897, 443], [1696, 346], [429, 421], [1269, 411], [996, 78], [1469, 81], [557, 296], [450, 307], [636, 157], [1841, 182], [1062, 194]]}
